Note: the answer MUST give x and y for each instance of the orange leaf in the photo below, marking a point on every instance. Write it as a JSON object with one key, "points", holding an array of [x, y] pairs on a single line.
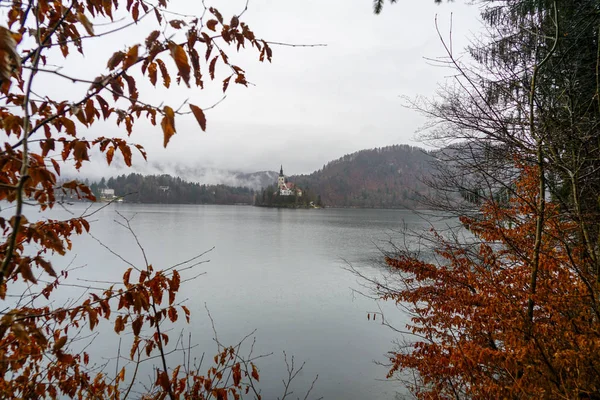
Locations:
{"points": [[168, 124], [131, 57], [200, 117], [181, 61], [255, 373], [152, 73], [60, 343], [110, 153], [164, 73]]}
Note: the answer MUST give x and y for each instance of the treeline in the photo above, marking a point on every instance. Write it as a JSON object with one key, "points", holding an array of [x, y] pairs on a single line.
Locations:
{"points": [[387, 177], [166, 189], [270, 197]]}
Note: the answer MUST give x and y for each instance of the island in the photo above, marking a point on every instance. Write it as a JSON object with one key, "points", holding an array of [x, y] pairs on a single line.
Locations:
{"points": [[286, 194]]}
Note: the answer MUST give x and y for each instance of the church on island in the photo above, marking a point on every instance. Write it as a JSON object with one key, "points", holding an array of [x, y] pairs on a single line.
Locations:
{"points": [[287, 188]]}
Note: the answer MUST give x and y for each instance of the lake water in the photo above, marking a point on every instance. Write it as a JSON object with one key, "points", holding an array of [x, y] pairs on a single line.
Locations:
{"points": [[279, 272]]}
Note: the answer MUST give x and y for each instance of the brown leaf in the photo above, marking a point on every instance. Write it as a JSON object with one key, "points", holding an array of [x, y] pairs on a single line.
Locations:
{"points": [[226, 83], [211, 67], [212, 25], [168, 124], [255, 373], [46, 266], [200, 117], [135, 12], [80, 150], [152, 73], [152, 38], [131, 57], [181, 61], [110, 153], [119, 324], [86, 23], [137, 325], [164, 73], [115, 60], [177, 23], [103, 106], [60, 343], [172, 314], [25, 270], [10, 58]]}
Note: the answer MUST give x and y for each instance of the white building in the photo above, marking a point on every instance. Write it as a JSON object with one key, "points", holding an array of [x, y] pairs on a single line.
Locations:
{"points": [[107, 194], [287, 188]]}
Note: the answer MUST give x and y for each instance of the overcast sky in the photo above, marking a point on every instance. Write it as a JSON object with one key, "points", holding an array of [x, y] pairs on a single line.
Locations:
{"points": [[310, 105]]}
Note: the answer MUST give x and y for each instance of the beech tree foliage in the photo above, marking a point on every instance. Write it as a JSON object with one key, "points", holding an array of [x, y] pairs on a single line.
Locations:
{"points": [[506, 304], [39, 352]]}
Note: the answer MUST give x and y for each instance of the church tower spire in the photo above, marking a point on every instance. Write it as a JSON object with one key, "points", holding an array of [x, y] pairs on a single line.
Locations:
{"points": [[281, 180]]}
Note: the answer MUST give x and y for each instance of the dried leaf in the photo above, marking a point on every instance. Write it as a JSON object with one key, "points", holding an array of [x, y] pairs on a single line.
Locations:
{"points": [[9, 58], [226, 83], [137, 325], [60, 343], [212, 24], [181, 61], [168, 124], [200, 117], [152, 73], [164, 73], [86, 23], [131, 57], [115, 60]]}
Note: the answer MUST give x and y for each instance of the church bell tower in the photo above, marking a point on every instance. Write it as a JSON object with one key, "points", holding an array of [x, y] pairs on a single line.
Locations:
{"points": [[281, 178]]}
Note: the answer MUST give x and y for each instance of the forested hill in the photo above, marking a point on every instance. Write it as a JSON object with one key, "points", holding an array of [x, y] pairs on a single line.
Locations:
{"points": [[167, 189], [387, 177]]}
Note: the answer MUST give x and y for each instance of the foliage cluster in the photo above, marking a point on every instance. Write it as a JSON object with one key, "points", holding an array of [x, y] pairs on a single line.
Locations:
{"points": [[42, 344], [506, 304]]}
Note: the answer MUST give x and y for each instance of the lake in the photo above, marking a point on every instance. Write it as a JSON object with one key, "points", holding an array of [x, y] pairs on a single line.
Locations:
{"points": [[280, 272]]}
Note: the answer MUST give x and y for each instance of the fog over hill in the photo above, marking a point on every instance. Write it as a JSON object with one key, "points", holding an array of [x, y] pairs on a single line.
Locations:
{"points": [[386, 177]]}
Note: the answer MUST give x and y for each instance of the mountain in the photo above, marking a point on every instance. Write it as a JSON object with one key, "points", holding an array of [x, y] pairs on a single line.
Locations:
{"points": [[387, 177]]}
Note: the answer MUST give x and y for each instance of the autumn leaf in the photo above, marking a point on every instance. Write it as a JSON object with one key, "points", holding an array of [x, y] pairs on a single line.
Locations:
{"points": [[25, 271], [226, 83], [212, 24], [110, 153], [137, 325], [151, 39], [164, 73], [9, 58], [86, 23], [168, 124], [115, 60], [181, 61], [131, 57], [200, 117]]}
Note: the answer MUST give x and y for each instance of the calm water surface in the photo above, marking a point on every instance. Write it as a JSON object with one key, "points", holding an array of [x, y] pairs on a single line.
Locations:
{"points": [[279, 272]]}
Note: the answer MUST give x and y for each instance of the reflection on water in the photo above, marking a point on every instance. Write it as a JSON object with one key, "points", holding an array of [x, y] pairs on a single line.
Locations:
{"points": [[280, 272]]}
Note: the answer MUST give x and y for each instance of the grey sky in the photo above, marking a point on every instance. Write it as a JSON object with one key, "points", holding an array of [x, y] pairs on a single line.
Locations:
{"points": [[309, 106]]}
